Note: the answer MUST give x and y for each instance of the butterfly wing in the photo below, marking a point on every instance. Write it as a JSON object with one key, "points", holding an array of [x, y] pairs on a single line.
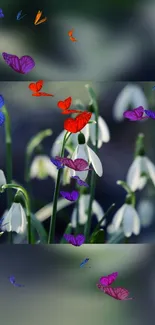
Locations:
{"points": [[57, 163], [109, 279], [38, 15], [19, 285], [1, 101], [65, 104], [130, 115], [19, 14], [80, 182], [2, 118], [150, 114], [77, 124], [41, 21], [68, 196], [1, 13], [36, 86], [100, 286], [42, 94], [73, 39], [70, 32], [79, 239], [67, 162], [26, 63], [80, 164], [74, 195], [70, 239], [84, 262], [117, 293], [12, 279], [139, 111], [12, 61]]}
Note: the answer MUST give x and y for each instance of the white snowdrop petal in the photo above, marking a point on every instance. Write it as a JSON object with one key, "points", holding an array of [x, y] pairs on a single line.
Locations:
{"points": [[122, 102], [98, 211], [139, 98], [73, 218], [56, 148], [95, 162], [128, 220], [136, 224], [142, 182], [118, 216], [151, 169], [2, 178], [104, 133], [133, 175], [145, 210], [83, 208]]}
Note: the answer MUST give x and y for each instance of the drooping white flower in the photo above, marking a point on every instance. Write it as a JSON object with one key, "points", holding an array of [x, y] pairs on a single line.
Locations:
{"points": [[42, 167], [128, 217], [83, 211], [15, 219], [2, 178], [141, 164], [83, 151], [145, 209], [103, 131], [130, 96]]}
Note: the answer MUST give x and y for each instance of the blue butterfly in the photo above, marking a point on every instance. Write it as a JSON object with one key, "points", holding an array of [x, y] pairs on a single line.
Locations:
{"points": [[1, 13], [57, 163], [84, 262], [150, 113], [19, 17], [13, 281], [1, 101], [2, 118]]}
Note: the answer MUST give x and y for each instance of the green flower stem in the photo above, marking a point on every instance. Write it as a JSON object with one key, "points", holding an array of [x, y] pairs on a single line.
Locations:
{"points": [[93, 178], [56, 193], [103, 218], [27, 205], [8, 144], [125, 186]]}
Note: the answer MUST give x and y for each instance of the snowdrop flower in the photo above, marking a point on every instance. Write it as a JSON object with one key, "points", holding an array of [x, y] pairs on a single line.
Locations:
{"points": [[103, 131], [145, 210], [83, 209], [42, 167], [85, 152], [15, 219], [140, 169], [131, 96], [2, 178], [128, 216]]}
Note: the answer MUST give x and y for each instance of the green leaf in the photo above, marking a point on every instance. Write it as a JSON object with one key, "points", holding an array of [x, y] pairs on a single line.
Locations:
{"points": [[40, 229], [36, 140], [68, 230], [46, 211], [92, 96], [98, 237]]}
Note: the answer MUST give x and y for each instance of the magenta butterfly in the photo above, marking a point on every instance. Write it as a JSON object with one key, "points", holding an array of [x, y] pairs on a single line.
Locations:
{"points": [[75, 240], [70, 196], [77, 164], [80, 182], [150, 114], [21, 65], [118, 293], [136, 114], [109, 279]]}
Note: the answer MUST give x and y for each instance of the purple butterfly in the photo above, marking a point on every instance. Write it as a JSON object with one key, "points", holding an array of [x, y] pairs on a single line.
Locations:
{"points": [[150, 114], [80, 182], [2, 118], [1, 13], [70, 196], [21, 65], [57, 163], [75, 240], [136, 114], [13, 281]]}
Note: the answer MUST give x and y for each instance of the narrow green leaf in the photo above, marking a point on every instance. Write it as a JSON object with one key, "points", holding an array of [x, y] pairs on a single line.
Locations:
{"points": [[68, 230], [98, 237], [40, 229]]}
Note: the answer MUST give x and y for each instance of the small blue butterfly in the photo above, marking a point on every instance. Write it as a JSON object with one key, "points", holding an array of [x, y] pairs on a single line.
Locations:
{"points": [[57, 163], [13, 281], [1, 101], [84, 262], [1, 13], [19, 17]]}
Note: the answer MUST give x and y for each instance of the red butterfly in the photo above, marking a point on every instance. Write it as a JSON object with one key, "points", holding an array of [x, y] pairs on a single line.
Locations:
{"points": [[118, 293], [65, 104], [36, 87], [75, 125], [70, 34], [78, 164]]}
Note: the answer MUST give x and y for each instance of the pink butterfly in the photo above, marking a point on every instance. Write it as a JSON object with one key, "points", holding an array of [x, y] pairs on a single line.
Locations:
{"points": [[21, 65], [117, 293], [75, 240], [77, 164], [136, 114], [109, 279]]}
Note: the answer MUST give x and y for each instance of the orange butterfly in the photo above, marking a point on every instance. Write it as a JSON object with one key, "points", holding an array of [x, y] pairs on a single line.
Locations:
{"points": [[76, 125], [65, 104], [38, 15], [70, 34], [36, 87]]}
